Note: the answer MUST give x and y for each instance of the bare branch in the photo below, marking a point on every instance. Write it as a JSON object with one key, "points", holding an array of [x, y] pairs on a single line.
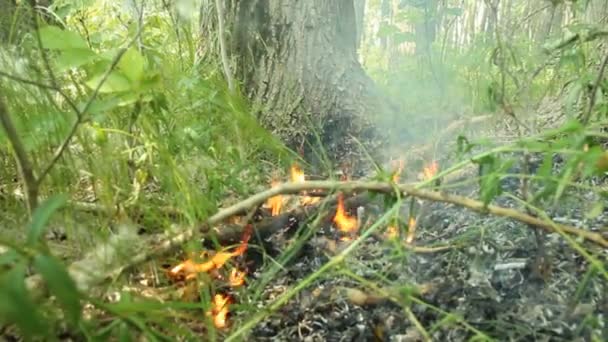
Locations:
{"points": [[26, 81], [65, 96], [355, 186], [596, 85], [167, 245]]}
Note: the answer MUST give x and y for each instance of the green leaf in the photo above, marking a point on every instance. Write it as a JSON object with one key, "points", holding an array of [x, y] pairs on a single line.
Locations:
{"points": [[596, 210], [463, 145], [124, 334], [16, 305], [41, 217], [99, 109], [55, 38], [9, 258], [116, 82], [73, 58], [60, 284], [132, 65], [545, 169]]}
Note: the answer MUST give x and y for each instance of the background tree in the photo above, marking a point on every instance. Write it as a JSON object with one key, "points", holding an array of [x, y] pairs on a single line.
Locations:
{"points": [[297, 61]]}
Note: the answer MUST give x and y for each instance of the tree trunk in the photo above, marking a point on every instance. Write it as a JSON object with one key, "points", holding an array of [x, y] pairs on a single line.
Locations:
{"points": [[297, 62]]}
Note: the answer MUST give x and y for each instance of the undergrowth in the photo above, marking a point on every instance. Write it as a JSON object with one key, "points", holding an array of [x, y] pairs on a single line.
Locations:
{"points": [[149, 127]]}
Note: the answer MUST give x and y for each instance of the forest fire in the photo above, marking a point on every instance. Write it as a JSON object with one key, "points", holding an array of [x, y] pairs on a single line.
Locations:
{"points": [[343, 221], [411, 230], [392, 232], [191, 268], [237, 278], [275, 203], [297, 175], [219, 310], [430, 170]]}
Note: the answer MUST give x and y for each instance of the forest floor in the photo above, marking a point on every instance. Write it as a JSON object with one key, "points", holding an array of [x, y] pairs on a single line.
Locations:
{"points": [[495, 280], [465, 275], [474, 275]]}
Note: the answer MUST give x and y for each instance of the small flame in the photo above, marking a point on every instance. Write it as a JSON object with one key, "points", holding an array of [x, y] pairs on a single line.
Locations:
{"points": [[397, 174], [392, 232], [237, 278], [219, 310], [217, 261], [411, 230], [275, 203], [297, 175], [430, 170], [309, 200], [344, 222]]}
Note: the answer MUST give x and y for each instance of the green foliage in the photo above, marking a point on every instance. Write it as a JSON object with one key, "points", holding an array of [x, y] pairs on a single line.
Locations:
{"points": [[60, 285], [158, 128], [18, 305], [41, 217]]}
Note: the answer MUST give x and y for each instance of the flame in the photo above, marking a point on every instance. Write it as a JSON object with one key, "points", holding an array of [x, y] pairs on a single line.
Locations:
{"points": [[397, 174], [411, 230], [430, 170], [237, 278], [275, 203], [392, 232], [297, 175], [217, 261], [309, 200], [343, 221], [219, 310]]}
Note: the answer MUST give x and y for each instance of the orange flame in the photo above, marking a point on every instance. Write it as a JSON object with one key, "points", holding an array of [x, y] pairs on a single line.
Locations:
{"points": [[392, 232], [309, 200], [275, 203], [411, 230], [297, 175], [343, 221], [397, 174], [237, 278], [219, 310], [191, 268], [430, 170]]}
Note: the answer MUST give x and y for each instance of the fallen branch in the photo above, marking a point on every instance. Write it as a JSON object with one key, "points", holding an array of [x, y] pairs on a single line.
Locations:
{"points": [[166, 245], [391, 188], [287, 221]]}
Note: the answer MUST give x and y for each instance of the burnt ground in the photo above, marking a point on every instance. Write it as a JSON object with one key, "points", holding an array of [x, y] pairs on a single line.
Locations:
{"points": [[496, 279], [500, 280]]}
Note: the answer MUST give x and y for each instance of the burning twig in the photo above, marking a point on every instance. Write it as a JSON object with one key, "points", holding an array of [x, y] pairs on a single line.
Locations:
{"points": [[344, 222], [217, 261], [275, 203], [167, 245], [410, 190], [219, 310]]}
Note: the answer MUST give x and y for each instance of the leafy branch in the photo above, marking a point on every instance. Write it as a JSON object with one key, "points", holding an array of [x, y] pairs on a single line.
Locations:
{"points": [[31, 181]]}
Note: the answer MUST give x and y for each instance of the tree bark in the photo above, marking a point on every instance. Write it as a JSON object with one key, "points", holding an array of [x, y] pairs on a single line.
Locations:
{"points": [[297, 62]]}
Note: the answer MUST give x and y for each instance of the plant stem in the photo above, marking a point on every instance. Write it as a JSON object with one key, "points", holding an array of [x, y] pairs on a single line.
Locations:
{"points": [[26, 170]]}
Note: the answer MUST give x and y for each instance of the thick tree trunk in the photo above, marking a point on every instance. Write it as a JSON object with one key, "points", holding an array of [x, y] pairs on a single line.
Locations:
{"points": [[297, 62]]}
